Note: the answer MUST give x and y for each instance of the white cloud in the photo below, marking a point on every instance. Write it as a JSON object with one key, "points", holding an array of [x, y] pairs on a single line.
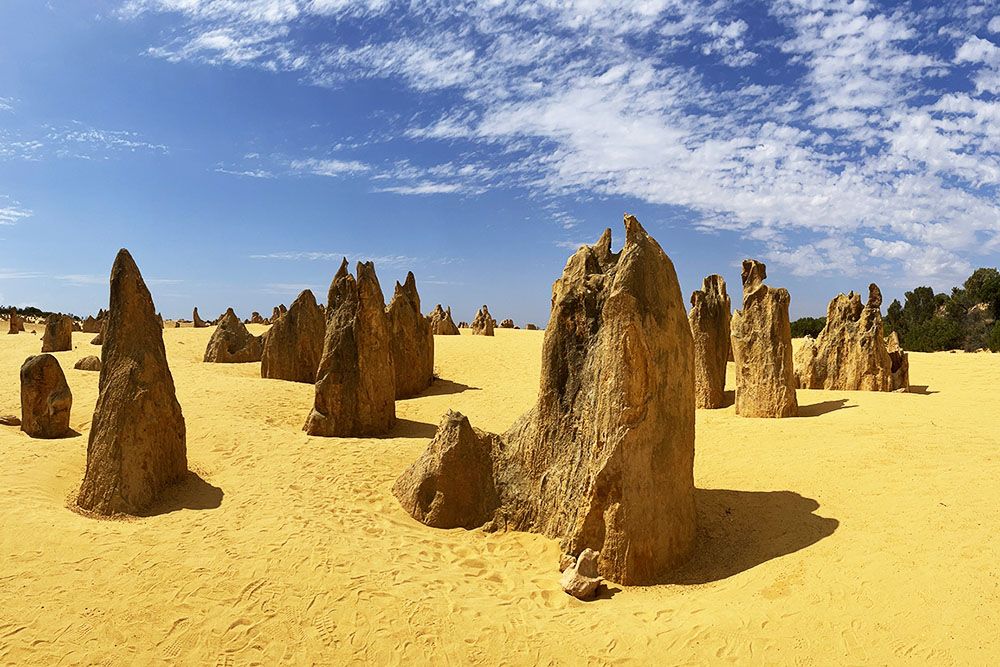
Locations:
{"points": [[11, 212], [328, 167]]}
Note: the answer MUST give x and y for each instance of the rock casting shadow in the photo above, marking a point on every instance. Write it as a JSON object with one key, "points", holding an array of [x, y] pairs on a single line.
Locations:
{"points": [[739, 530], [407, 428], [920, 389], [191, 493]]}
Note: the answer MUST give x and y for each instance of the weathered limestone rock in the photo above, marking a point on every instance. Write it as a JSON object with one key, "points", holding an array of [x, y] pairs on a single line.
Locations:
{"points": [[451, 484], [255, 318], [90, 363], [58, 336], [530, 327], [275, 315], [762, 348], [709, 316], [231, 343], [294, 343], [581, 579], [10, 420], [45, 398], [198, 323], [483, 323], [441, 322], [412, 340], [605, 458], [137, 444], [15, 323], [77, 326], [356, 381], [850, 352], [92, 324], [899, 363], [463, 325], [507, 324]]}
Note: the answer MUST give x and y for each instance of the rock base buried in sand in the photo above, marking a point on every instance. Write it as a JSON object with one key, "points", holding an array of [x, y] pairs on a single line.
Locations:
{"points": [[231, 343], [709, 316], [90, 363], [9, 420], [581, 579], [605, 459], [137, 445], [294, 343], [441, 322], [58, 336], [46, 400], [411, 340]]}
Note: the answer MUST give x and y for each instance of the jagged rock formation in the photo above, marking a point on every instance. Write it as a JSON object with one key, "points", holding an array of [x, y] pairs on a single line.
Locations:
{"points": [[15, 323], [709, 317], [58, 336], [451, 484], [762, 348], [231, 343], [137, 443], [77, 326], [441, 322], [93, 324], [412, 340], [581, 579], [605, 458], [46, 400], [483, 323], [196, 320], [507, 324], [294, 343], [463, 325], [275, 315], [255, 318], [850, 352], [90, 363], [899, 363], [356, 381]]}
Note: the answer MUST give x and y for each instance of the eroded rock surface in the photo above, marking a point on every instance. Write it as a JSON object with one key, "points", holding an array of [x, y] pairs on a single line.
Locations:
{"points": [[294, 343], [46, 399], [231, 343], [58, 336], [709, 317], [412, 340]]}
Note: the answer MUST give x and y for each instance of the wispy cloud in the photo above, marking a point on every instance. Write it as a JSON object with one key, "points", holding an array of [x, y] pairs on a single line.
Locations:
{"points": [[819, 132], [11, 212]]}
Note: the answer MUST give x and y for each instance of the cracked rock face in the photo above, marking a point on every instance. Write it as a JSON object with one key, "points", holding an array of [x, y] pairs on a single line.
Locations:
{"points": [[483, 324], [709, 317], [58, 336], [441, 322], [46, 399], [762, 348], [356, 380], [850, 353], [294, 343], [412, 340], [138, 439], [604, 460]]}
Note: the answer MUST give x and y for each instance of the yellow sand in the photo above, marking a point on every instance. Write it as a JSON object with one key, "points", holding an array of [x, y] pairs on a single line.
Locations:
{"points": [[865, 532]]}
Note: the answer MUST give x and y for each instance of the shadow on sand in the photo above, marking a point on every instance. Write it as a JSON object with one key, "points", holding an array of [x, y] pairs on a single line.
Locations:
{"points": [[817, 409], [441, 387], [407, 428], [191, 493], [920, 389], [738, 530]]}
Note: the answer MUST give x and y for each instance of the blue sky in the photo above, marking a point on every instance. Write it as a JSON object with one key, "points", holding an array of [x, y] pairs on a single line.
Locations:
{"points": [[240, 148]]}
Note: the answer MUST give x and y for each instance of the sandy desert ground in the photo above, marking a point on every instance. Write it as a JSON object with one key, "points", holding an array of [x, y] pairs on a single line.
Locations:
{"points": [[864, 531]]}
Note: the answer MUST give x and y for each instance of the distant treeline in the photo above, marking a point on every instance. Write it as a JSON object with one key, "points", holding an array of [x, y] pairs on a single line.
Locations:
{"points": [[32, 311], [929, 322]]}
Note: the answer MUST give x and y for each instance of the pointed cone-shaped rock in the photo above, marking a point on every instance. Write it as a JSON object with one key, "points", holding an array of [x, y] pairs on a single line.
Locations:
{"points": [[709, 316], [294, 343], [196, 320], [762, 348], [46, 399], [605, 458], [356, 381], [441, 322], [412, 340], [137, 444], [58, 336], [850, 352], [231, 343], [483, 324], [451, 484]]}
